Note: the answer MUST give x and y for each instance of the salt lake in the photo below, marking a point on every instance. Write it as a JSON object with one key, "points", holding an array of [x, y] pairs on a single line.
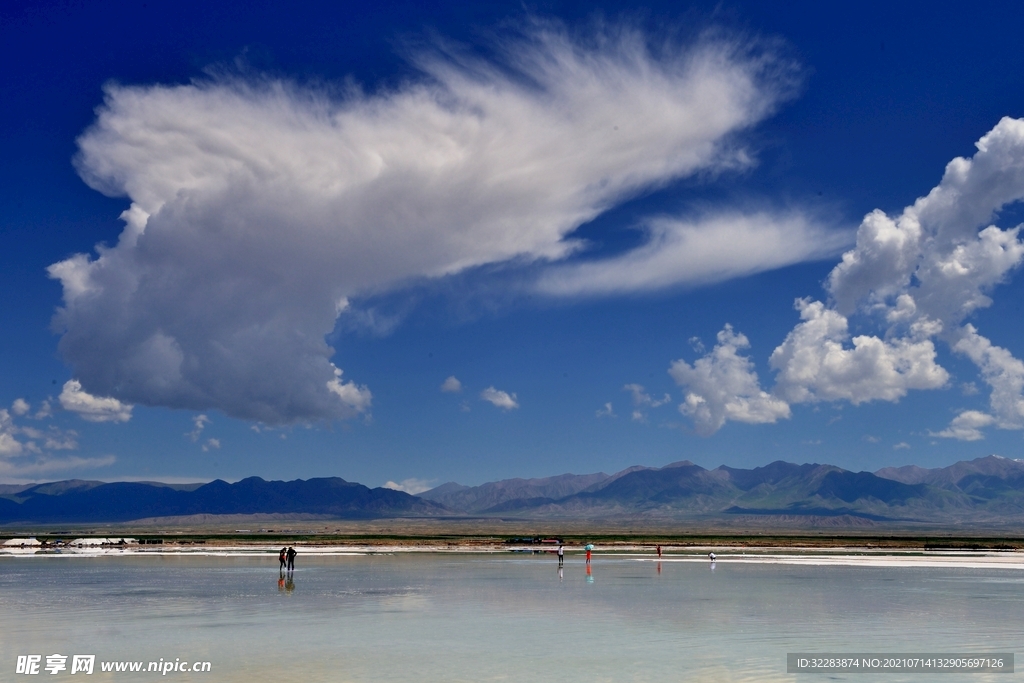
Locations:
{"points": [[501, 616]]}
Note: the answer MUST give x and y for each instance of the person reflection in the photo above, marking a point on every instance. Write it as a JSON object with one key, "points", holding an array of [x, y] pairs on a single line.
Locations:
{"points": [[289, 582], [590, 576], [280, 582], [659, 569], [560, 576], [712, 565]]}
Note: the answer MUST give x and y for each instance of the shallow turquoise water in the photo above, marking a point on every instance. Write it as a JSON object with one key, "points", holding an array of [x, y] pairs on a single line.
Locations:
{"points": [[440, 617]]}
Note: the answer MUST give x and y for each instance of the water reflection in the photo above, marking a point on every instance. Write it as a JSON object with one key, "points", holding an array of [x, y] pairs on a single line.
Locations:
{"points": [[286, 581], [472, 617]]}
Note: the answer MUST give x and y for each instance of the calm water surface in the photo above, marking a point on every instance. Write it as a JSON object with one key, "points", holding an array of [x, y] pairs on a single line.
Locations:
{"points": [[413, 617]]}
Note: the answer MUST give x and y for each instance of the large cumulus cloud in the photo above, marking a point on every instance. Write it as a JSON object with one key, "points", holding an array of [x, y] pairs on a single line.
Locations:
{"points": [[259, 207], [918, 276]]}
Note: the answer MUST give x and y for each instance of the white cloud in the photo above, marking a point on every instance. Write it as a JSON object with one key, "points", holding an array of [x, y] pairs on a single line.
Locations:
{"points": [[901, 446], [199, 423], [410, 486], [918, 276], [1001, 371], [55, 439], [9, 444], [606, 411], [938, 261], [967, 426], [451, 385], [500, 399], [356, 399], [723, 386], [93, 408], [20, 407], [814, 363], [698, 252], [50, 439], [27, 451], [44, 411], [642, 400], [259, 208], [32, 439]]}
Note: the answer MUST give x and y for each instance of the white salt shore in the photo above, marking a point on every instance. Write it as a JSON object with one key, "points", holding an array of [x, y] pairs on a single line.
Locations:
{"points": [[850, 557]]}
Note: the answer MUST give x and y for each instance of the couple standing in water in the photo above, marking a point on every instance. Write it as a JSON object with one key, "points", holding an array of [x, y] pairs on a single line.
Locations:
{"points": [[287, 557]]}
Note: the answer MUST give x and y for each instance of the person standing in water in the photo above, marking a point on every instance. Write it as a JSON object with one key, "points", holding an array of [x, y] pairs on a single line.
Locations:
{"points": [[291, 559], [561, 555], [588, 559], [283, 557], [659, 551]]}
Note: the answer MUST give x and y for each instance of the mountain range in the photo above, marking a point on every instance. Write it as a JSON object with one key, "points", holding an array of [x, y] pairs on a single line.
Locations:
{"points": [[94, 501], [987, 491]]}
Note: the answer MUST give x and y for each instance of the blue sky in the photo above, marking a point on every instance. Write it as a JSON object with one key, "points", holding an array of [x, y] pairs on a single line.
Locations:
{"points": [[250, 239]]}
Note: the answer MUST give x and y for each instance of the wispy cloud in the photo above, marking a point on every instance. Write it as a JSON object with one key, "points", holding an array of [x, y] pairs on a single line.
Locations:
{"points": [[642, 400], [697, 252], [35, 450], [17, 471], [199, 423]]}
